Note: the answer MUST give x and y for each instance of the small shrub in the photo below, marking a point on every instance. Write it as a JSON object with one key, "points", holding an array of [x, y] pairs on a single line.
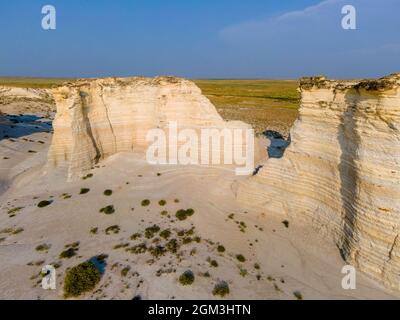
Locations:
{"points": [[164, 213], [44, 203], [172, 246], [107, 192], [285, 223], [84, 191], [157, 251], [186, 278], [151, 231], [145, 203], [135, 236], [89, 175], [69, 253], [256, 266], [80, 279], [94, 230], [42, 247], [183, 214], [176, 200], [298, 295], [108, 210], [214, 263], [221, 248], [240, 258], [162, 203], [165, 234], [124, 271], [112, 229], [221, 289]]}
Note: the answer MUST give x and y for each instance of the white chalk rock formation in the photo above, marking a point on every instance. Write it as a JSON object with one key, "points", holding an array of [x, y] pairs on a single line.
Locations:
{"points": [[14, 100], [97, 118], [341, 172]]}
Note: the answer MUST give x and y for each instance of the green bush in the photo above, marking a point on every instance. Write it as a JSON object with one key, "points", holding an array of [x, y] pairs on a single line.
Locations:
{"points": [[151, 231], [285, 223], [183, 214], [165, 234], [84, 191], [221, 248], [221, 289], [298, 295], [108, 210], [145, 202], [80, 279], [162, 203], [186, 278], [240, 257], [69, 253], [44, 203], [107, 192]]}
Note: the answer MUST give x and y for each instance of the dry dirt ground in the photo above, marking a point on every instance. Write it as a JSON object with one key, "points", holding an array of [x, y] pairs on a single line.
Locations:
{"points": [[279, 262]]}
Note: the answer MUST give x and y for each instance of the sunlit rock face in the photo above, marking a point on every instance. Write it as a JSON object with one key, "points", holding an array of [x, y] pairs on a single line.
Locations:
{"points": [[100, 117], [341, 172]]}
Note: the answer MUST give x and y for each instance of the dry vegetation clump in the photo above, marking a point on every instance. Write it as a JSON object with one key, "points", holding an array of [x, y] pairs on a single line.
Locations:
{"points": [[80, 279]]}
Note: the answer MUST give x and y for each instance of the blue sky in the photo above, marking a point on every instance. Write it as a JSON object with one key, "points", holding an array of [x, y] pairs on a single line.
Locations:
{"points": [[200, 38]]}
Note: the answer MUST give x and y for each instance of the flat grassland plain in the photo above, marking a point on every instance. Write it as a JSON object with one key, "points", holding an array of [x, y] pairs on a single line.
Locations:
{"points": [[265, 104]]}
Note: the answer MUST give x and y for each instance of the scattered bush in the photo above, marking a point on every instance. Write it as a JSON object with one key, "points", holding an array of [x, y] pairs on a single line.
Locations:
{"points": [[157, 251], [42, 247], [94, 230], [213, 263], [145, 203], [221, 248], [285, 223], [151, 231], [69, 253], [124, 271], [183, 214], [108, 210], [84, 191], [256, 266], [107, 192], [240, 258], [172, 246], [44, 203], [135, 236], [186, 278], [165, 234], [89, 175], [112, 229], [80, 279], [162, 203], [221, 289], [298, 295]]}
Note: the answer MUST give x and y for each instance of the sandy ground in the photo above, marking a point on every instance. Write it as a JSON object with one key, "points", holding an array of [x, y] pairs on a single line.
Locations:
{"points": [[290, 259]]}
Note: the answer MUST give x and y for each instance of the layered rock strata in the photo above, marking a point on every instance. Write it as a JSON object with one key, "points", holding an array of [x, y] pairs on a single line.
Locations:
{"points": [[100, 117], [341, 172]]}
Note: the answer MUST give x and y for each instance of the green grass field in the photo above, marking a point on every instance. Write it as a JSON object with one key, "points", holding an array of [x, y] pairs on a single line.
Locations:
{"points": [[265, 104], [24, 82]]}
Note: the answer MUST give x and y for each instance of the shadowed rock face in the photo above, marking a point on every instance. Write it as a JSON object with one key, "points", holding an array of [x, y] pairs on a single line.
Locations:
{"points": [[341, 172], [100, 117]]}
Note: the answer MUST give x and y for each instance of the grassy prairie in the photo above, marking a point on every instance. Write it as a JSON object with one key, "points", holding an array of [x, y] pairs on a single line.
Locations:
{"points": [[26, 82], [265, 104]]}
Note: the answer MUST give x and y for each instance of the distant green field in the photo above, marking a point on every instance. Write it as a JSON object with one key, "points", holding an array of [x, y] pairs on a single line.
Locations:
{"points": [[24, 82], [265, 104]]}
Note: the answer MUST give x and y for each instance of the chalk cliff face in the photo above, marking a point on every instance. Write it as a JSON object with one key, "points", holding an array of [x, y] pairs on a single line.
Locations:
{"points": [[342, 171], [100, 117]]}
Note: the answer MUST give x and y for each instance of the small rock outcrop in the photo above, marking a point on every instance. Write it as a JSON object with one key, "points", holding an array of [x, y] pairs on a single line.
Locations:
{"points": [[14, 100], [341, 172], [97, 118]]}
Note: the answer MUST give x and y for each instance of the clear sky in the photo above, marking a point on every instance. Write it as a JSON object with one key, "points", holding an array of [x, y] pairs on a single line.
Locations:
{"points": [[200, 38]]}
